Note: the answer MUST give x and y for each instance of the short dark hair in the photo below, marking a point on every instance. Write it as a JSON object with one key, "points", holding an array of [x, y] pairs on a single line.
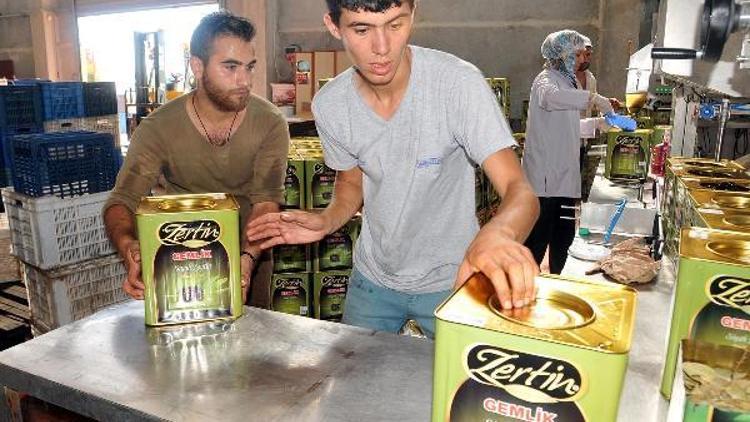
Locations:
{"points": [[335, 6], [215, 25]]}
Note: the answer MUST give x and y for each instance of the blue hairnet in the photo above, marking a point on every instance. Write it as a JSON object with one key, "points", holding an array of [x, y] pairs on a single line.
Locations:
{"points": [[559, 50]]}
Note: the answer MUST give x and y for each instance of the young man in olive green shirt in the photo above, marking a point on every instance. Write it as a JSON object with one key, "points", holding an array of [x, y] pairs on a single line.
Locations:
{"points": [[218, 138]]}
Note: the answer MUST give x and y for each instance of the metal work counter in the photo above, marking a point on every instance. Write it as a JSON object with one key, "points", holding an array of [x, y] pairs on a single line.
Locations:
{"points": [[641, 399], [270, 366], [266, 366]]}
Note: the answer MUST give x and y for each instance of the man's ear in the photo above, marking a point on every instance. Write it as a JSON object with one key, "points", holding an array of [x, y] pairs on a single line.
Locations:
{"points": [[332, 27], [196, 65]]}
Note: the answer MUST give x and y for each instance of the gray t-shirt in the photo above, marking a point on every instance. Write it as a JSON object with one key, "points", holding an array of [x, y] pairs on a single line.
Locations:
{"points": [[419, 213]]}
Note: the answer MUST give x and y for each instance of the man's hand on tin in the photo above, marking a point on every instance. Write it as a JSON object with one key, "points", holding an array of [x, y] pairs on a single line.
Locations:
{"points": [[508, 264], [133, 284]]}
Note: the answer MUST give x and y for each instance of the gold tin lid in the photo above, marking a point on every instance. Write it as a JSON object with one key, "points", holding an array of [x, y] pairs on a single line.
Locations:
{"points": [[729, 247], [587, 314], [737, 202], [711, 173], [203, 202], [616, 131], [552, 310], [702, 162], [730, 186], [722, 219]]}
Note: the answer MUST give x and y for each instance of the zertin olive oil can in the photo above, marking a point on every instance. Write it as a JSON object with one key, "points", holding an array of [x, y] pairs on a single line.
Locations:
{"points": [[190, 257], [562, 358], [712, 294]]}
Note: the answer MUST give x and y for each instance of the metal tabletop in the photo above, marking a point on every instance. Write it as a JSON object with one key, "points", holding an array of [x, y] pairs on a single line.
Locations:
{"points": [[265, 366], [270, 366], [641, 399]]}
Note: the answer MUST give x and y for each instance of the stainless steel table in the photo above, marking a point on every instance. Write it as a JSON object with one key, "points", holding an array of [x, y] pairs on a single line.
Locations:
{"points": [[266, 366], [641, 399], [269, 366]]}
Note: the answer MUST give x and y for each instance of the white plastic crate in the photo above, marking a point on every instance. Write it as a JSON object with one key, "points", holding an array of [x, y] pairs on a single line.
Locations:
{"points": [[49, 232], [106, 124], [64, 125], [66, 294]]}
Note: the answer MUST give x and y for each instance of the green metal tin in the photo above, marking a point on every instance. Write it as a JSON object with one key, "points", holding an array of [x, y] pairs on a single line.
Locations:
{"points": [[319, 182], [501, 88], [329, 294], [562, 358], [627, 154], [189, 257], [291, 259], [712, 297], [290, 293], [336, 251], [294, 185], [644, 122]]}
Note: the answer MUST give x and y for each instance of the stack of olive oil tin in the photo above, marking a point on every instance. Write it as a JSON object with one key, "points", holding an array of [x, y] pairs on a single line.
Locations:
{"points": [[693, 184], [563, 358], [312, 280], [706, 217]]}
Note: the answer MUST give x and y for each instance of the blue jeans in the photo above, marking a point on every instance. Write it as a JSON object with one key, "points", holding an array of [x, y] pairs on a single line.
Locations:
{"points": [[379, 308]]}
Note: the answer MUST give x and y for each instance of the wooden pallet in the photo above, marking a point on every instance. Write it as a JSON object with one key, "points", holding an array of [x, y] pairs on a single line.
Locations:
{"points": [[14, 314]]}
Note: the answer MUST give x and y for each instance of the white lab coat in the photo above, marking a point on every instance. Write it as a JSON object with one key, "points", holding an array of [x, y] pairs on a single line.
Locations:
{"points": [[590, 87], [553, 135]]}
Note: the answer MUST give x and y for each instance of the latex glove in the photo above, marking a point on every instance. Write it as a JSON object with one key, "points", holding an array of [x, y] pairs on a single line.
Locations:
{"points": [[623, 122], [601, 103]]}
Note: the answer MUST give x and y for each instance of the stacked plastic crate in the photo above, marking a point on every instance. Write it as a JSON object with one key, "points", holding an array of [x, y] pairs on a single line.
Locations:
{"points": [[60, 181], [94, 111], [20, 113]]}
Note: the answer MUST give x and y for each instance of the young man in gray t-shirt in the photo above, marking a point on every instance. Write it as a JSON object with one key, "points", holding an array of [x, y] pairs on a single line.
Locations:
{"points": [[403, 128]]}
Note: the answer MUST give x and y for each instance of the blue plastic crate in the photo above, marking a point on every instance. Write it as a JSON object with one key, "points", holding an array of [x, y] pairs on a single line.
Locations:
{"points": [[27, 81], [99, 98], [62, 100], [5, 142], [20, 107], [63, 164]]}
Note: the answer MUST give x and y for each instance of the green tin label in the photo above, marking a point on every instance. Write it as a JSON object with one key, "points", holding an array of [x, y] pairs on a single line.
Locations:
{"points": [[330, 295], [720, 315], [505, 384], [627, 157], [290, 259], [191, 272], [294, 185], [320, 184], [289, 294], [335, 251]]}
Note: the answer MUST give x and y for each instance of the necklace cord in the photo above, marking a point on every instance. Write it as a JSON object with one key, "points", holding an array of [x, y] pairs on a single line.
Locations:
{"points": [[211, 141]]}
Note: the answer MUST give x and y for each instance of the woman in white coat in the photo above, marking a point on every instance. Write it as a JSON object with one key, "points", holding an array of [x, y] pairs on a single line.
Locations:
{"points": [[553, 136]]}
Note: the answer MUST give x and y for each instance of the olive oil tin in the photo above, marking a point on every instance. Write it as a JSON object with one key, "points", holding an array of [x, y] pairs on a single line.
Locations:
{"points": [[329, 294], [336, 250], [294, 185], [728, 186], [627, 154], [291, 259], [563, 358], [723, 220], [290, 294], [190, 257], [712, 296], [319, 182]]}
